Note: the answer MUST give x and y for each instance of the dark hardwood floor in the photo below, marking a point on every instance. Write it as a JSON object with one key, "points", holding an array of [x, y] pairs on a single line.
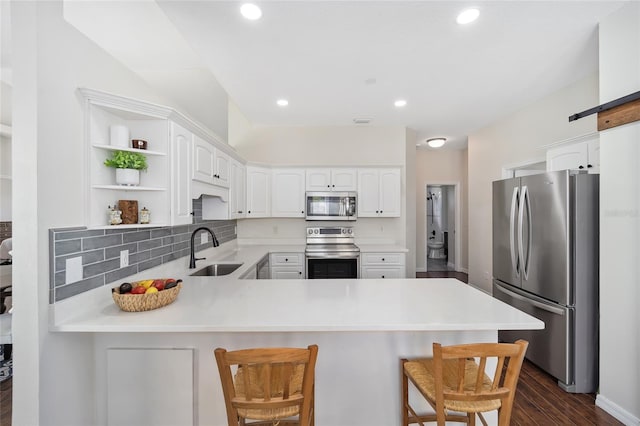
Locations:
{"points": [[5, 402], [540, 401]]}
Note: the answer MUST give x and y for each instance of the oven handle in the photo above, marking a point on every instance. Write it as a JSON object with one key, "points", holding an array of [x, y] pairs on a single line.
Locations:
{"points": [[332, 256]]}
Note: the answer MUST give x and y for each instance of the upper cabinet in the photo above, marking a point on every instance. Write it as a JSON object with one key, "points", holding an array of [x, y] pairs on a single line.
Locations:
{"points": [[379, 192], [210, 165], [288, 193], [237, 190], [576, 156], [338, 179], [258, 192], [185, 160]]}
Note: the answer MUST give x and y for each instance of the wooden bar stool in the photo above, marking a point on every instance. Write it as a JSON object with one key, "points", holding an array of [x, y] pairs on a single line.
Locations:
{"points": [[453, 381], [272, 386]]}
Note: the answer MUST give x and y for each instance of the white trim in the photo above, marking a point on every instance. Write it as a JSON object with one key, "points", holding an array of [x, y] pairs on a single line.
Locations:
{"points": [[456, 185], [616, 411], [576, 139], [465, 270], [421, 269], [507, 169]]}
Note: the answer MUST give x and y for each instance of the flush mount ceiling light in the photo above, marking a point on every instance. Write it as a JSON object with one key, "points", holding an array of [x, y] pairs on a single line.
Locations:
{"points": [[282, 102], [436, 142], [400, 103], [467, 16], [250, 11]]}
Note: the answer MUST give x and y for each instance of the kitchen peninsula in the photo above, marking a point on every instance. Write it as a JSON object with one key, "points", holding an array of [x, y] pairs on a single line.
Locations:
{"points": [[363, 327]]}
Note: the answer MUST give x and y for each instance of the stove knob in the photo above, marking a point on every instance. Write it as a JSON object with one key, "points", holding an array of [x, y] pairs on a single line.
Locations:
{"points": [[315, 231], [310, 231], [344, 231], [350, 231]]}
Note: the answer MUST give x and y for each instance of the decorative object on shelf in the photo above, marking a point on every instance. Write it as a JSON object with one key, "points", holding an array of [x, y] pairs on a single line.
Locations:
{"points": [[114, 215], [129, 210], [128, 166], [119, 135], [139, 144], [144, 216]]}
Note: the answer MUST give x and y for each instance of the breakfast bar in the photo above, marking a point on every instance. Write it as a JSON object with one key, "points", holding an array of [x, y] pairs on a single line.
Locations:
{"points": [[362, 327]]}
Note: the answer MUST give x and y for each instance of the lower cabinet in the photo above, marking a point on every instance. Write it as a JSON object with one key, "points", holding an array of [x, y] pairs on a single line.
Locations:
{"points": [[285, 266], [382, 265], [132, 373]]}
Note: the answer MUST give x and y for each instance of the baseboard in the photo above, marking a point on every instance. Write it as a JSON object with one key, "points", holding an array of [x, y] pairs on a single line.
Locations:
{"points": [[466, 271], [616, 411]]}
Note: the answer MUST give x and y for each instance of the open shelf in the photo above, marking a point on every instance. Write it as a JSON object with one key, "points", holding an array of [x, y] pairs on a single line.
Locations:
{"points": [[128, 188], [120, 148]]}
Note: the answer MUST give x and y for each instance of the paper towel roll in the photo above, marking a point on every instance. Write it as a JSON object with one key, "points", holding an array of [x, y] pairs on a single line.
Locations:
{"points": [[120, 135]]}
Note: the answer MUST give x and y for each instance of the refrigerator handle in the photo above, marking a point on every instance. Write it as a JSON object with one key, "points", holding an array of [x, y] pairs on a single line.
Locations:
{"points": [[524, 262], [512, 231], [540, 305]]}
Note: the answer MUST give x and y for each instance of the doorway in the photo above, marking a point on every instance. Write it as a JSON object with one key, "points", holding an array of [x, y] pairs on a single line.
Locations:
{"points": [[442, 221]]}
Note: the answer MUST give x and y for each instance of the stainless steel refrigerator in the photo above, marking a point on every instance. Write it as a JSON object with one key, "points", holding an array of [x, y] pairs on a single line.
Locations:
{"points": [[545, 263]]}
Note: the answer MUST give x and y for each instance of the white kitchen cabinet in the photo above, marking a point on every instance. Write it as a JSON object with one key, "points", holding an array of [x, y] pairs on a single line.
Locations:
{"points": [[336, 179], [133, 373], [286, 266], [382, 265], [143, 121], [210, 165], [576, 156], [182, 203], [288, 193], [237, 190], [258, 192], [379, 192]]}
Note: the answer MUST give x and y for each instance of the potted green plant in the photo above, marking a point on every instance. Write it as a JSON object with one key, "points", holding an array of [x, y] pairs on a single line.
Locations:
{"points": [[128, 165]]}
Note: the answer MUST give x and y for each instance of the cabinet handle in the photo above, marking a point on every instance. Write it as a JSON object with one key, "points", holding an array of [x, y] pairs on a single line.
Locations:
{"points": [[380, 211], [328, 186], [333, 186], [249, 212], [383, 259], [383, 276], [299, 272], [589, 166], [302, 212], [581, 167], [286, 260], [377, 211], [239, 211]]}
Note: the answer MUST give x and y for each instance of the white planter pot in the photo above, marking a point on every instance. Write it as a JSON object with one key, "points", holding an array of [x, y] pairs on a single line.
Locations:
{"points": [[128, 177]]}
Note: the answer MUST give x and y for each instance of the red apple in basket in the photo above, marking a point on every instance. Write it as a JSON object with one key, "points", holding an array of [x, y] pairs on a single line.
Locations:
{"points": [[159, 284], [138, 290]]}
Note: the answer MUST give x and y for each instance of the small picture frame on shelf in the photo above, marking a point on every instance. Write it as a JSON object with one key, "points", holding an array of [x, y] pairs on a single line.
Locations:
{"points": [[129, 209]]}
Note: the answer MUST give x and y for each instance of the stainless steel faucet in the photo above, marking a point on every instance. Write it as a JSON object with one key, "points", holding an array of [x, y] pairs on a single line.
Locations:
{"points": [[193, 258]]}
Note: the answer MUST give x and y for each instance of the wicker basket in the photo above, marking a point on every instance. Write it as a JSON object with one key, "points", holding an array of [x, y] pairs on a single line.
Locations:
{"points": [[145, 302]]}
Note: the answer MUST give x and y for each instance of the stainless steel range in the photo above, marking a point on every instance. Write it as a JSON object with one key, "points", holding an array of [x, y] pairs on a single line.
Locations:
{"points": [[331, 253]]}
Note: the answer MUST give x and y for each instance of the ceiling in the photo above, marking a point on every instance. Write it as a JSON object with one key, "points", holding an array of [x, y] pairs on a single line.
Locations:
{"points": [[337, 61]]}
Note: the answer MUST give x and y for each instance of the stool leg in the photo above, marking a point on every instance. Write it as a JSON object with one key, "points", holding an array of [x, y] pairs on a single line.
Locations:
{"points": [[7, 349], [405, 394]]}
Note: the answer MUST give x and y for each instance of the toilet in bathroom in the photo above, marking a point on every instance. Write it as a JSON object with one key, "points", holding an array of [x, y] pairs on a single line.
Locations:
{"points": [[435, 249]]}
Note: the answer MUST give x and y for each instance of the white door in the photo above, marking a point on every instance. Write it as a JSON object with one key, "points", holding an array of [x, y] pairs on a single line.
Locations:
{"points": [[288, 193], [368, 193], [344, 180], [390, 187], [318, 180], [570, 157], [203, 160], [181, 202], [258, 192], [222, 169]]}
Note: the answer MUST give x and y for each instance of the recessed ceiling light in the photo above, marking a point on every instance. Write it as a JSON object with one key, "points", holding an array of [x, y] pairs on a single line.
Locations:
{"points": [[282, 102], [436, 142], [400, 103], [467, 16], [251, 11]]}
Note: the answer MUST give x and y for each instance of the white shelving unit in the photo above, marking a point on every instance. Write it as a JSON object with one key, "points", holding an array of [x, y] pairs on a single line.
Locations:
{"points": [[144, 121]]}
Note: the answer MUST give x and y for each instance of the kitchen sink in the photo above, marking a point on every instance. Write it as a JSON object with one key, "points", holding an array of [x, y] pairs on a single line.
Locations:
{"points": [[216, 270]]}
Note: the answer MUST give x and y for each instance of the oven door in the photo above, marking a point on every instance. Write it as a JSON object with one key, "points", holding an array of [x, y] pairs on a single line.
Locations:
{"points": [[332, 266]]}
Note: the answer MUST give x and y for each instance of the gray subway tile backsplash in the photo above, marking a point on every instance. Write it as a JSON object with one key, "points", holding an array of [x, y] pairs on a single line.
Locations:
{"points": [[100, 251]]}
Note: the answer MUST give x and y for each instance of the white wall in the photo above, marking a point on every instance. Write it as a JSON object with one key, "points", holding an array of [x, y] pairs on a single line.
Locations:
{"points": [[440, 167], [620, 222], [50, 61], [517, 138]]}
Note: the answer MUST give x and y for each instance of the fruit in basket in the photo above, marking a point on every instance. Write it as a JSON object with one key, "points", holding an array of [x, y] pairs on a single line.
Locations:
{"points": [[145, 283], [159, 284], [169, 280], [138, 290], [170, 284], [151, 290], [125, 288]]}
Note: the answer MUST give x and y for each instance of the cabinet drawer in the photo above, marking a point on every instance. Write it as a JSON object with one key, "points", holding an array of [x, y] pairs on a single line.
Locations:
{"points": [[288, 259], [377, 273], [383, 259]]}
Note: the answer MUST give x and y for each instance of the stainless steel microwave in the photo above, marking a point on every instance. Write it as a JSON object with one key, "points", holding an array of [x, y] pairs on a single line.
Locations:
{"points": [[331, 206]]}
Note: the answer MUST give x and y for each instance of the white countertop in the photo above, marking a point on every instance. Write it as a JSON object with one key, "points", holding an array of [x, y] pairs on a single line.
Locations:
{"points": [[230, 304]]}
